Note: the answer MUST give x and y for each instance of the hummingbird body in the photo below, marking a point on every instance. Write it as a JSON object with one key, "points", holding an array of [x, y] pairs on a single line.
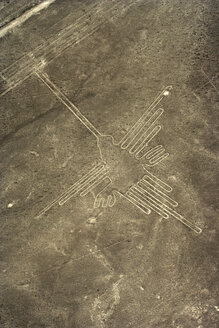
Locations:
{"points": [[124, 170]]}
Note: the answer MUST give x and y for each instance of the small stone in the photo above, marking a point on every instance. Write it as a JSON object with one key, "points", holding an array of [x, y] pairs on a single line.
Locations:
{"points": [[10, 205], [34, 153], [91, 220]]}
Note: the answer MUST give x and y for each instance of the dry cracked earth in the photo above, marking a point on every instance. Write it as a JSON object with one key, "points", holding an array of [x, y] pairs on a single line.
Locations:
{"points": [[78, 266]]}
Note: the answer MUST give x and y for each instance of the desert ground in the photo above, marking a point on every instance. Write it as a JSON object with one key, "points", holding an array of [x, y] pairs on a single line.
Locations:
{"points": [[71, 72]]}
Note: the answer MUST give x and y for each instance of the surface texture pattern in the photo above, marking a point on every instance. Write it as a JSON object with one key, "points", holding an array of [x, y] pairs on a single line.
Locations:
{"points": [[108, 135]]}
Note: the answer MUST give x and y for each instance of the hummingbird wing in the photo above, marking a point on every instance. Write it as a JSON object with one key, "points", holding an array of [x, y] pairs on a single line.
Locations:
{"points": [[137, 139], [94, 178], [151, 194]]}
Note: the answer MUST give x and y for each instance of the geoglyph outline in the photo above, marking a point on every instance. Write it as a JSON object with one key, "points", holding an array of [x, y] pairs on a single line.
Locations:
{"points": [[149, 193]]}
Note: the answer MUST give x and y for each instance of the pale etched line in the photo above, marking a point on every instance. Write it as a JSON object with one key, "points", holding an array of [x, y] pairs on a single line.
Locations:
{"points": [[196, 96], [104, 186], [151, 152], [24, 67], [12, 14], [183, 220], [80, 24], [41, 50], [42, 62], [98, 183], [157, 151], [149, 196], [148, 137], [136, 134], [19, 78], [27, 69], [35, 63], [147, 203], [51, 40], [209, 80], [108, 201], [89, 10], [15, 85], [164, 186], [85, 18], [103, 202], [42, 46], [112, 199], [145, 124], [202, 86], [70, 189], [71, 260], [70, 106], [63, 41], [33, 69], [152, 134], [97, 202], [138, 203], [156, 183], [158, 193], [158, 99], [55, 55], [20, 74], [95, 184], [158, 159], [98, 195], [101, 21], [176, 215], [91, 179], [83, 182], [20, 20], [151, 200]]}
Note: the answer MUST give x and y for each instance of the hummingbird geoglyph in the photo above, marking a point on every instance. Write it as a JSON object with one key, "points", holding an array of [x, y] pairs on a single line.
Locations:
{"points": [[123, 169]]}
